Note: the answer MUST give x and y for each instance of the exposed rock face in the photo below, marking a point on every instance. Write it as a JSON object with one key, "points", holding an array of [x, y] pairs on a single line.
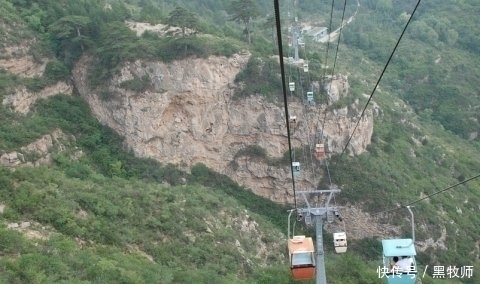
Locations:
{"points": [[24, 65], [16, 60], [22, 99], [188, 115], [40, 151], [11, 159]]}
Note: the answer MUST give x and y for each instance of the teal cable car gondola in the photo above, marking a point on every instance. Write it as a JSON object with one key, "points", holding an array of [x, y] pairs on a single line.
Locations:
{"points": [[402, 270], [399, 265]]}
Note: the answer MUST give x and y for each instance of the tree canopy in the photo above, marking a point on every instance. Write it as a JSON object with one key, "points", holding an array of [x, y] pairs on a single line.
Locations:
{"points": [[184, 19], [244, 12]]}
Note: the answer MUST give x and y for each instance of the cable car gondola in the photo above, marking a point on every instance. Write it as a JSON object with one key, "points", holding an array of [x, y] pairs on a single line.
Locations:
{"points": [[340, 242], [399, 265], [404, 271], [301, 254], [296, 168], [291, 86], [293, 121], [305, 67], [319, 151], [310, 98]]}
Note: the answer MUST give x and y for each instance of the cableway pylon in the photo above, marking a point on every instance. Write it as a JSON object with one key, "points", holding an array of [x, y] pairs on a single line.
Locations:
{"points": [[315, 216]]}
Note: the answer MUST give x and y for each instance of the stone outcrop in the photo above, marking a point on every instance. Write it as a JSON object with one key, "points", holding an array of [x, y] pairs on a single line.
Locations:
{"points": [[39, 151], [22, 99], [188, 115], [11, 159], [15, 59], [25, 66]]}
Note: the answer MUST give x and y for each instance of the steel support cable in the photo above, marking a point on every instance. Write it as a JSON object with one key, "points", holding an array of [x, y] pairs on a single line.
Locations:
{"points": [[330, 87], [311, 142], [289, 50], [328, 172], [381, 76], [339, 36], [322, 122], [428, 196], [328, 41], [302, 91], [292, 154], [338, 215], [285, 101], [336, 56], [306, 118]]}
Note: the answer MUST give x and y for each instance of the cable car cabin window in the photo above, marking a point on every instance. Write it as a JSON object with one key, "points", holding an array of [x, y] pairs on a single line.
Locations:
{"points": [[303, 259]]}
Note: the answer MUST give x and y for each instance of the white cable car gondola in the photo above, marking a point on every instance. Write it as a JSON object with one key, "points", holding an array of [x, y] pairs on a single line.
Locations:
{"points": [[293, 121], [291, 85], [305, 67], [296, 168], [340, 242], [310, 98]]}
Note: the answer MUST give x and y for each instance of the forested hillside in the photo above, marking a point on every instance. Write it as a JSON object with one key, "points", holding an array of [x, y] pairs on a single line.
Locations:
{"points": [[89, 211]]}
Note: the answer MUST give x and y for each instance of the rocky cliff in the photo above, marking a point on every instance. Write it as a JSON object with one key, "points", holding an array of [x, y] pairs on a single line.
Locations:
{"points": [[188, 115]]}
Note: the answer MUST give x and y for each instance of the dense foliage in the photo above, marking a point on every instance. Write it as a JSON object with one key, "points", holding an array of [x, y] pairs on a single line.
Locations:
{"points": [[435, 69]]}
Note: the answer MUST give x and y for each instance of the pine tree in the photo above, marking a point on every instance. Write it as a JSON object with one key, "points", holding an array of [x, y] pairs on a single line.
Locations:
{"points": [[244, 11]]}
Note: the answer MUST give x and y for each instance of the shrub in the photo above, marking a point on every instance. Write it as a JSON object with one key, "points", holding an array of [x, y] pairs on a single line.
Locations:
{"points": [[56, 71], [137, 84]]}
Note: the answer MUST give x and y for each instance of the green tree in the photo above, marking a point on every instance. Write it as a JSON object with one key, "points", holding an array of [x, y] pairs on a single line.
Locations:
{"points": [[271, 24], [117, 44], [244, 12], [384, 5], [71, 33], [181, 17]]}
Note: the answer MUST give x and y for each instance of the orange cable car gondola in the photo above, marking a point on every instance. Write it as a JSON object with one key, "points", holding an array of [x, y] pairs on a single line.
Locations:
{"points": [[319, 151], [302, 257]]}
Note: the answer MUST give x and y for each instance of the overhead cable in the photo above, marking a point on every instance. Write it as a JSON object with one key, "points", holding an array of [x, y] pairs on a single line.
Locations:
{"points": [[380, 78], [429, 195], [284, 89]]}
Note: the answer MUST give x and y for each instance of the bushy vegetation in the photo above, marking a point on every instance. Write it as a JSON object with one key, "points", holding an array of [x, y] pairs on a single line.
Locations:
{"points": [[137, 84], [260, 77], [105, 230], [435, 67]]}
